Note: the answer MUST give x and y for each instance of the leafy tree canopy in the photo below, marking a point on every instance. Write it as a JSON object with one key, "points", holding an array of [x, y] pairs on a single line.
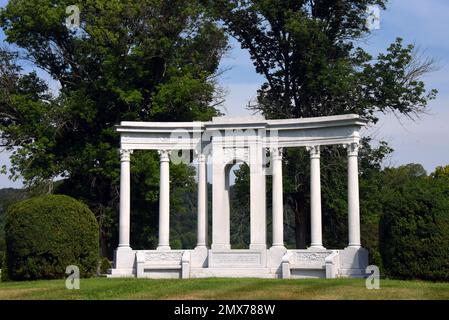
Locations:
{"points": [[150, 60], [129, 60], [414, 227], [308, 53]]}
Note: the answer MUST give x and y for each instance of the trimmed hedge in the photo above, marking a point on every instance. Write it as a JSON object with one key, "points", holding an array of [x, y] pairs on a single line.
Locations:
{"points": [[46, 234], [414, 231]]}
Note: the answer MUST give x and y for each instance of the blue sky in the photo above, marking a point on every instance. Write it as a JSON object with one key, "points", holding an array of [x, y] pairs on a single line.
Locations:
{"points": [[424, 23]]}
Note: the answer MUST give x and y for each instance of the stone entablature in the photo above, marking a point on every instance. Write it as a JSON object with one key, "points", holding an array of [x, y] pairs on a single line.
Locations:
{"points": [[271, 133]]}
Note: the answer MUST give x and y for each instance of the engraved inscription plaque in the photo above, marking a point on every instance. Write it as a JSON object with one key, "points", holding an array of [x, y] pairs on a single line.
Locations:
{"points": [[235, 259]]}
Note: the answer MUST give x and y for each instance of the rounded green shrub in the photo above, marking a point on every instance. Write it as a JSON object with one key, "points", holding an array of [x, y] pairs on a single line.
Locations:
{"points": [[414, 231], [46, 234]]}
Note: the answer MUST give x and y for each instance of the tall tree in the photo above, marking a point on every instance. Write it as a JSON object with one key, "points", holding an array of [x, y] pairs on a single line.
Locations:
{"points": [[309, 54], [146, 60]]}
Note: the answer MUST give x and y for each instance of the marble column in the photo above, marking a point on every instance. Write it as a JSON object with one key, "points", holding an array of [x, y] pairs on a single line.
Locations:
{"points": [[226, 204], [278, 206], [164, 201], [202, 202], [220, 216], [125, 198], [353, 196], [315, 199], [258, 226]]}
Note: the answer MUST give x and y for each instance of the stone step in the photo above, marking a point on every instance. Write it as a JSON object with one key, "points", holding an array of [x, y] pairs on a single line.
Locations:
{"points": [[266, 273]]}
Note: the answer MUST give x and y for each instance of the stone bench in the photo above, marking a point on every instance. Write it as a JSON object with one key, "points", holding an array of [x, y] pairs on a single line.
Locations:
{"points": [[310, 264], [173, 264]]}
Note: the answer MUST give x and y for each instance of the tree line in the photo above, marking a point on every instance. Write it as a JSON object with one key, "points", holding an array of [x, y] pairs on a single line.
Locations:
{"points": [[158, 60]]}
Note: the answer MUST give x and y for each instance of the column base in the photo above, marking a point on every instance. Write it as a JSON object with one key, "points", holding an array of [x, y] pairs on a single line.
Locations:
{"points": [[354, 246], [274, 258], [124, 248], [316, 247], [124, 261], [198, 258], [353, 262], [121, 273], [221, 247], [258, 247], [277, 246], [163, 248]]}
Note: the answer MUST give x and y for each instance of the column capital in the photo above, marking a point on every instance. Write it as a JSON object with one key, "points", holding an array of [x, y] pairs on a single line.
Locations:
{"points": [[277, 153], [315, 151], [164, 155], [353, 149], [125, 155]]}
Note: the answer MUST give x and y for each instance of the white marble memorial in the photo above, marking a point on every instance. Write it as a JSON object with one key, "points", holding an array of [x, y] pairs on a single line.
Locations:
{"points": [[221, 143]]}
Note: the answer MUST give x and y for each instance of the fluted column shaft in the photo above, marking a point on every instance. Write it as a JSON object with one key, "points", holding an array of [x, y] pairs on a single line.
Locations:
{"points": [[278, 206], [164, 201], [353, 196], [258, 226], [202, 201], [125, 198], [315, 199]]}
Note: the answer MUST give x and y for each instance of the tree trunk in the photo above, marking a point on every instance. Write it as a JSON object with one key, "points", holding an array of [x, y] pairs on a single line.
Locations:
{"points": [[104, 244], [301, 223]]}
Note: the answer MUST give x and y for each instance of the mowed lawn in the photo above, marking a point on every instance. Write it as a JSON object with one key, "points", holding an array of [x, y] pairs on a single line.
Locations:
{"points": [[257, 289]]}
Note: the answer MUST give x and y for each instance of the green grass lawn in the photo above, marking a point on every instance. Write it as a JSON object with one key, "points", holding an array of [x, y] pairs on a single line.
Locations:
{"points": [[103, 288]]}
